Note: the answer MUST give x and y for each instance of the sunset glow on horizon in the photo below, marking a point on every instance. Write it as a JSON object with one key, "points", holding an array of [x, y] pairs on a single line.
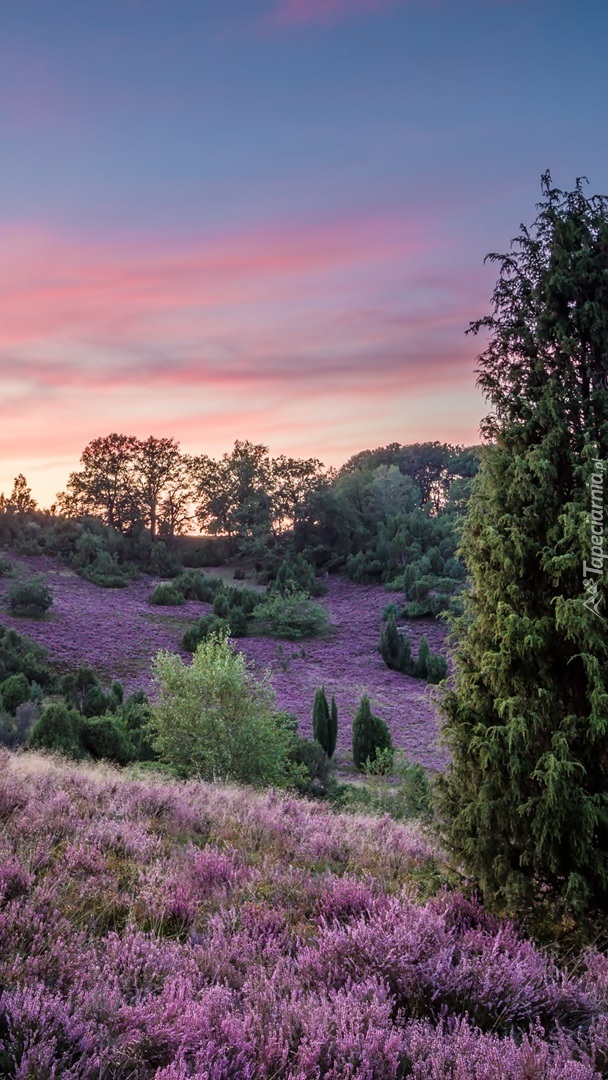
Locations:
{"points": [[267, 220]]}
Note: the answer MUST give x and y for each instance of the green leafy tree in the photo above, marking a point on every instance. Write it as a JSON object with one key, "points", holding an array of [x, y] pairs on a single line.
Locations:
{"points": [[320, 719], [158, 475], [104, 486], [370, 734], [525, 802], [20, 500], [213, 720]]}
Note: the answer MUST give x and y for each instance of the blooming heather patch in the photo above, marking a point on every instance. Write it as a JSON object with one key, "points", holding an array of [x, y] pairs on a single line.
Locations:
{"points": [[156, 930], [118, 632], [349, 665]]}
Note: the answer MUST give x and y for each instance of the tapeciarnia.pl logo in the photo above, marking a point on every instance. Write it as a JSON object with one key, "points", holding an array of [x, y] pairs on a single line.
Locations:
{"points": [[593, 571]]}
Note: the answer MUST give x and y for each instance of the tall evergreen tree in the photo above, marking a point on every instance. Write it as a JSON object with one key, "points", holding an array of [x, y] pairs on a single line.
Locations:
{"points": [[320, 719], [525, 802]]}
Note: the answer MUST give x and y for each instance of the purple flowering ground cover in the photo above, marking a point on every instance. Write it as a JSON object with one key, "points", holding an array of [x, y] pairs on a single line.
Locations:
{"points": [[168, 931], [118, 632]]}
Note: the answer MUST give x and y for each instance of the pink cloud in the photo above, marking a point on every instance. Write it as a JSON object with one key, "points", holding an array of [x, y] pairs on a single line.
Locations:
{"points": [[303, 12], [294, 13], [317, 339]]}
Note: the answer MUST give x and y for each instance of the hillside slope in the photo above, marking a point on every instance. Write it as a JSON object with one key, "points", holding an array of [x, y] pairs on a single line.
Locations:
{"points": [[150, 929], [118, 632]]}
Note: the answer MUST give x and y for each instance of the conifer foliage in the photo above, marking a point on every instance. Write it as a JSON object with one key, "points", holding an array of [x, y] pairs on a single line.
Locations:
{"points": [[525, 803], [370, 734], [320, 719], [332, 729]]}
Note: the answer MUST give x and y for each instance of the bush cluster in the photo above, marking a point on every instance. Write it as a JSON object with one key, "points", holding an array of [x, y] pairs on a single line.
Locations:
{"points": [[118, 734], [291, 615], [167, 595], [29, 598], [396, 651]]}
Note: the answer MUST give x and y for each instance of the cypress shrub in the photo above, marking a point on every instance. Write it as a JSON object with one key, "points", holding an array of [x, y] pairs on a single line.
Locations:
{"points": [[320, 719], [422, 662], [332, 728], [395, 648], [370, 734]]}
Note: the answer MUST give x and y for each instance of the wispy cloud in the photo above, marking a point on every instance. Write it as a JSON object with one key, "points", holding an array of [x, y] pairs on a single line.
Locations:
{"points": [[294, 13], [309, 336], [305, 12]]}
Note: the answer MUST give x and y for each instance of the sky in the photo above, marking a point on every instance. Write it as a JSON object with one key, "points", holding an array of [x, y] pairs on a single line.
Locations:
{"points": [[267, 219]]}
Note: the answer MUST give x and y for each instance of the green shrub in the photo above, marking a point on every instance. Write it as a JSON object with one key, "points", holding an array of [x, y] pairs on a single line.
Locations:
{"points": [[221, 604], [213, 720], [237, 622], [433, 604], [58, 728], [99, 566], [95, 701], [210, 551], [200, 631], [197, 586], [105, 580], [381, 764], [411, 797], [14, 691], [167, 595], [18, 654], [414, 794], [30, 598], [105, 737], [315, 777], [364, 567], [291, 616], [161, 562], [297, 574], [370, 734]]}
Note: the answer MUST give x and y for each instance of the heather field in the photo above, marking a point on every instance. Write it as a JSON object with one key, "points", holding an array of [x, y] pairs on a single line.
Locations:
{"points": [[150, 929], [117, 631]]}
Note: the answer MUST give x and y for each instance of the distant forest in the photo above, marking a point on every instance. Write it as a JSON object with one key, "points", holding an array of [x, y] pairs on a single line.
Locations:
{"points": [[388, 515]]}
